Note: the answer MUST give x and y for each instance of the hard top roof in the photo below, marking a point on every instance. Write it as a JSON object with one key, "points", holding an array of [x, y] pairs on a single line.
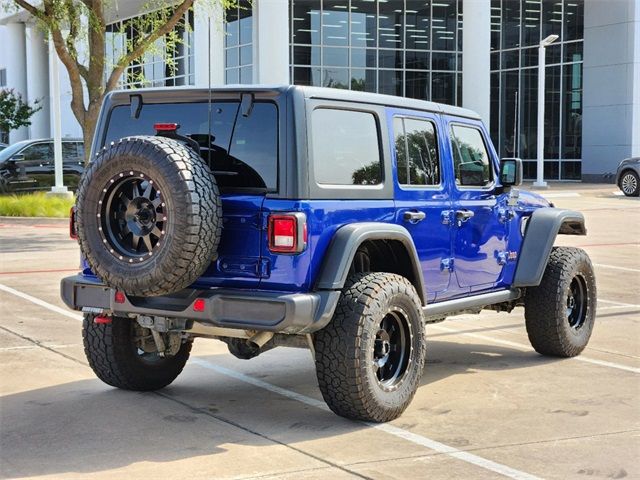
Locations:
{"points": [[314, 92]]}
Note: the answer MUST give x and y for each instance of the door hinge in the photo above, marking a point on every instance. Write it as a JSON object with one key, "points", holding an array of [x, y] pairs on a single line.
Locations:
{"points": [[506, 215], [446, 264], [264, 268]]}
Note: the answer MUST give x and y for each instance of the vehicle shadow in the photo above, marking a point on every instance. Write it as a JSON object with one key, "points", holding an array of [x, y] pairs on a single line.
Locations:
{"points": [[87, 427]]}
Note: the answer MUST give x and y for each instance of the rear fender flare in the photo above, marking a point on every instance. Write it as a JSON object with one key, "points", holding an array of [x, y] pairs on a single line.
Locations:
{"points": [[542, 228], [345, 244]]}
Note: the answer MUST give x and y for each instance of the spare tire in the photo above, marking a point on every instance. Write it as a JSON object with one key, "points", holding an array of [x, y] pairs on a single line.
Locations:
{"points": [[149, 215]]}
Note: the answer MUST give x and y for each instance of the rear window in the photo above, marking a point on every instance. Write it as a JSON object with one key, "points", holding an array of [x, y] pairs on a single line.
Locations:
{"points": [[346, 149], [241, 151]]}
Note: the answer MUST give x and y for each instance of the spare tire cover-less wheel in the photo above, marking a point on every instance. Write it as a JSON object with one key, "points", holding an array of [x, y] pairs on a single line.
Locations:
{"points": [[149, 215]]}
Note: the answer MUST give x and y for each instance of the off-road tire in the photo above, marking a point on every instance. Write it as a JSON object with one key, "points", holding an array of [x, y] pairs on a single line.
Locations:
{"points": [[344, 348], [546, 306], [630, 183], [114, 358], [191, 200]]}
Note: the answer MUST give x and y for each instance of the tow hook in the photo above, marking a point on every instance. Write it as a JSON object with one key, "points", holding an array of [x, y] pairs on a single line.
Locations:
{"points": [[101, 320]]}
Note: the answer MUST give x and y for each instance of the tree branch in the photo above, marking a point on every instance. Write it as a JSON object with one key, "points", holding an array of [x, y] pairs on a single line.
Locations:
{"points": [[140, 48]]}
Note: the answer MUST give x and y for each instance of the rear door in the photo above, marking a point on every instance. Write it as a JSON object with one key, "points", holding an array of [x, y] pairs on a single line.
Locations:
{"points": [[480, 236], [421, 196]]}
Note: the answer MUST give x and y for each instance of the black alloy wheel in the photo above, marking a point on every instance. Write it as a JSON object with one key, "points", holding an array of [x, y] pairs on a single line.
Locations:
{"points": [[132, 216]]}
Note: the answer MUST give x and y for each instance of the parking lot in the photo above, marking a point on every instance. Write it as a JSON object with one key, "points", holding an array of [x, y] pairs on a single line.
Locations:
{"points": [[488, 407]]}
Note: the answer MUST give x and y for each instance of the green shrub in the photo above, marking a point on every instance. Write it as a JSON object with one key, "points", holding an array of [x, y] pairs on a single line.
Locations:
{"points": [[35, 205]]}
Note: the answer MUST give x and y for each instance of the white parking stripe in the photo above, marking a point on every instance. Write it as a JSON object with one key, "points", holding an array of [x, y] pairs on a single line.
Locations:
{"points": [[619, 304], [42, 303], [580, 358], [615, 267], [384, 427]]}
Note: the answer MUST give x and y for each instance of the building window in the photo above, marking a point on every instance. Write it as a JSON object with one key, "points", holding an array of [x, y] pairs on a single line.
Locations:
{"points": [[517, 27], [238, 44], [3, 77], [410, 48], [164, 64]]}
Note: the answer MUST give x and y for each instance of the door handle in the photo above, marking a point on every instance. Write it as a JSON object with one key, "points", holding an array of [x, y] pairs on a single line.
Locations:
{"points": [[463, 215], [413, 216]]}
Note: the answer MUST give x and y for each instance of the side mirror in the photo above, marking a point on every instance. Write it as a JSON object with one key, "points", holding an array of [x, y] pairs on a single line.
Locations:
{"points": [[510, 172], [18, 157]]}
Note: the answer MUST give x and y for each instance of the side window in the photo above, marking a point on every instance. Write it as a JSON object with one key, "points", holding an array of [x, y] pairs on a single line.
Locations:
{"points": [[80, 151], [346, 147], [416, 152], [69, 152], [40, 152], [470, 158]]}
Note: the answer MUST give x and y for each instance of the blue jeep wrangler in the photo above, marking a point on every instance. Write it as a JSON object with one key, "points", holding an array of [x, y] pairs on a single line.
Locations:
{"points": [[333, 220]]}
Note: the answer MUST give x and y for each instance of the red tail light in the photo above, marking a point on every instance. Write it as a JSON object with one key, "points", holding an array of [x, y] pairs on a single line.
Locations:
{"points": [[119, 297], [199, 305], [287, 233], [73, 233], [166, 127]]}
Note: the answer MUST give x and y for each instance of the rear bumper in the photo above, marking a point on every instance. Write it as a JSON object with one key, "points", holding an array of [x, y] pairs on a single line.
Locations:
{"points": [[292, 313]]}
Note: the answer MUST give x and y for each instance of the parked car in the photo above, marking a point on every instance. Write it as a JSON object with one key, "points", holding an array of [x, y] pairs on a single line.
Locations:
{"points": [[628, 176], [28, 166], [327, 219]]}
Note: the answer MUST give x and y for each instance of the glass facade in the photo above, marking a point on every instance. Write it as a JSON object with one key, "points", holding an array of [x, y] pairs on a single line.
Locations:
{"points": [[238, 44], [409, 48], [517, 27], [161, 65]]}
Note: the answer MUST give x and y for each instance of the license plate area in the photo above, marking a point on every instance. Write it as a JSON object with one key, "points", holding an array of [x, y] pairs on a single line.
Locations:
{"points": [[92, 296]]}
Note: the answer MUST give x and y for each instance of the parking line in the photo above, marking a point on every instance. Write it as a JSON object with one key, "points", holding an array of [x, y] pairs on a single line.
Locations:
{"points": [[619, 304], [614, 267], [384, 427], [602, 363], [42, 303]]}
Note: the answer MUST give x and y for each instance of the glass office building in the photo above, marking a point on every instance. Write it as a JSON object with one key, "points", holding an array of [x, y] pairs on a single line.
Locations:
{"points": [[477, 54]]}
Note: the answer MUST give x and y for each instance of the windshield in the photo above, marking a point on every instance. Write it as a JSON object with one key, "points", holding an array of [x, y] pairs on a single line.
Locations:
{"points": [[242, 152]]}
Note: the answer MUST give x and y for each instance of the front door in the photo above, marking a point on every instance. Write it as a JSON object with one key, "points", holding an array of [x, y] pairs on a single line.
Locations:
{"points": [[480, 235], [421, 196]]}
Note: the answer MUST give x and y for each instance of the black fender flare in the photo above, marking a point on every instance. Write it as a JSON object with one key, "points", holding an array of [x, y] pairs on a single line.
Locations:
{"points": [[347, 240], [542, 228]]}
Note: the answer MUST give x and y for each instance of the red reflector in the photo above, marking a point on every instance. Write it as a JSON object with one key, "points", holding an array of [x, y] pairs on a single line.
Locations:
{"points": [[120, 297], [166, 127], [198, 305], [73, 233], [101, 320]]}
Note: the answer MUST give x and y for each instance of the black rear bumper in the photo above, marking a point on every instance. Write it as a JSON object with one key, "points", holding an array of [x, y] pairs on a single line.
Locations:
{"points": [[292, 313]]}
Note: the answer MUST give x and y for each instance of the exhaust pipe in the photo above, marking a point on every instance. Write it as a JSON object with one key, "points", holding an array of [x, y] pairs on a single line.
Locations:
{"points": [[259, 339]]}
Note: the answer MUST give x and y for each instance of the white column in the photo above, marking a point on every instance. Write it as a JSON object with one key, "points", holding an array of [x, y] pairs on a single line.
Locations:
{"points": [[15, 54], [271, 42], [38, 81], [208, 45], [476, 67]]}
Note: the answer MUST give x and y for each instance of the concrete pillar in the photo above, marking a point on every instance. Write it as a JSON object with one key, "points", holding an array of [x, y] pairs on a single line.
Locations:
{"points": [[476, 44], [271, 41], [38, 81], [16, 63], [611, 95], [208, 48]]}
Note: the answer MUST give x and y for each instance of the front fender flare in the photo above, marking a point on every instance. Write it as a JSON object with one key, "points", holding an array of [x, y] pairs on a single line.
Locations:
{"points": [[542, 229], [345, 243]]}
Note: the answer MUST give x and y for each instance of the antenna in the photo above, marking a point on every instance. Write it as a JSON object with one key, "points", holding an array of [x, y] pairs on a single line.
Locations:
{"points": [[516, 120], [209, 87]]}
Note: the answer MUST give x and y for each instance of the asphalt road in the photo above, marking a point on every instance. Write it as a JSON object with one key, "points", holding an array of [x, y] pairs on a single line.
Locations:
{"points": [[488, 407]]}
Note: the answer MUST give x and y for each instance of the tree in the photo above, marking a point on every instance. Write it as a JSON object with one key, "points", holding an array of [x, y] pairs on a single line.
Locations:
{"points": [[14, 112], [80, 26]]}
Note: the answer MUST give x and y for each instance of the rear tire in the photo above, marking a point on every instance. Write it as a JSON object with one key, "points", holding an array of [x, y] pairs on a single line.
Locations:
{"points": [[370, 358], [115, 358], [561, 311]]}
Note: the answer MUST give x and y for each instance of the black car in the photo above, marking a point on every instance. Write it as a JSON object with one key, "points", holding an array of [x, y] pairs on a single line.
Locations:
{"points": [[628, 176], [29, 165]]}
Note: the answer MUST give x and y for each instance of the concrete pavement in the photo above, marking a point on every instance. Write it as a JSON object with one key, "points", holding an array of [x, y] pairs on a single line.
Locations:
{"points": [[488, 407]]}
